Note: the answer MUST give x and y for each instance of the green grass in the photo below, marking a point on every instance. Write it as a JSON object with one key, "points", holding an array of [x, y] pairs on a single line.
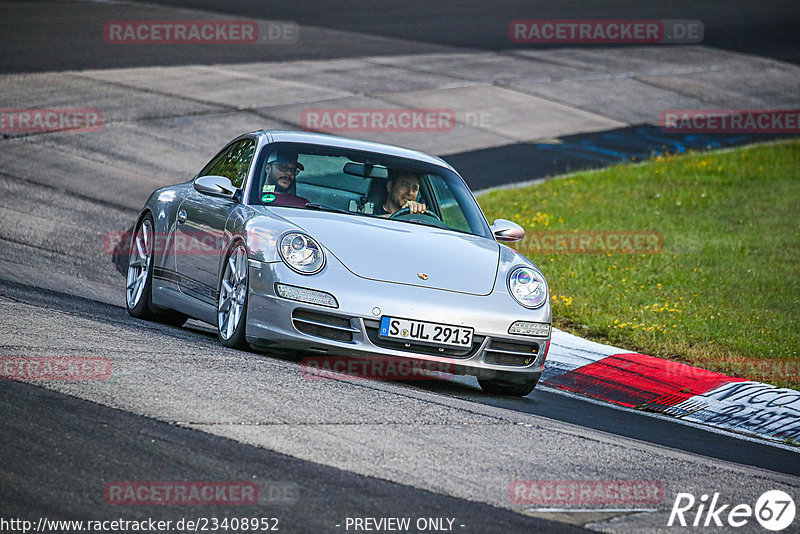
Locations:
{"points": [[724, 292]]}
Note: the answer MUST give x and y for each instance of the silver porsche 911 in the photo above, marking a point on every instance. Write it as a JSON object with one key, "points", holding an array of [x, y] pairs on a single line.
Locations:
{"points": [[333, 246]]}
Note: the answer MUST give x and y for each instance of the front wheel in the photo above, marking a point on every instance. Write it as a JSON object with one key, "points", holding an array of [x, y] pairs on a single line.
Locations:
{"points": [[232, 303], [510, 385]]}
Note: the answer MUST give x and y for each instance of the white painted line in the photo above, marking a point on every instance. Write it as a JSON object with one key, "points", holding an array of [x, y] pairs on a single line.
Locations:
{"points": [[712, 429], [589, 510]]}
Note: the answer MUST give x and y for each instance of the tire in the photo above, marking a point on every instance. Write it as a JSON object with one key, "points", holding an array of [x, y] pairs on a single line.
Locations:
{"points": [[232, 300], [139, 285], [509, 385]]}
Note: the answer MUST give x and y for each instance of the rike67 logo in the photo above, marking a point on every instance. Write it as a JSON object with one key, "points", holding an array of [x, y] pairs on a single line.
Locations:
{"points": [[774, 510]]}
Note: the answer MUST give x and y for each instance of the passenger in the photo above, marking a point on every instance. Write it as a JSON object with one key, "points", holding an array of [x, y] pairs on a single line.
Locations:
{"points": [[281, 170], [401, 192]]}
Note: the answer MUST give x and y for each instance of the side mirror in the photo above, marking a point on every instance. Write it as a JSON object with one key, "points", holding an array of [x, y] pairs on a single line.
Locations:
{"points": [[217, 186], [504, 230]]}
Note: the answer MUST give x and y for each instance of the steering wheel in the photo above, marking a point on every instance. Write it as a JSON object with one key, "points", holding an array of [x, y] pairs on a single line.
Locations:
{"points": [[405, 213]]}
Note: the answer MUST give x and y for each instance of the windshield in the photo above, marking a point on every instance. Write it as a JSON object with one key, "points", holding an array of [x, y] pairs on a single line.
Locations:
{"points": [[365, 184]]}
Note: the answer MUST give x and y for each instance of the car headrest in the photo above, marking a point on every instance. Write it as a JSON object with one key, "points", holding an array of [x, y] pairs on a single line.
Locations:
{"points": [[377, 191]]}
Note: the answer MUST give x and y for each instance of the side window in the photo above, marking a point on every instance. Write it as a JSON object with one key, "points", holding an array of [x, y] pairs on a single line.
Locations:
{"points": [[448, 205], [234, 163]]}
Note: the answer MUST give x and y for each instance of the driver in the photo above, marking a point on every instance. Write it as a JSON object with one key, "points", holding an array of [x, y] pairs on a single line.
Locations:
{"points": [[402, 189]]}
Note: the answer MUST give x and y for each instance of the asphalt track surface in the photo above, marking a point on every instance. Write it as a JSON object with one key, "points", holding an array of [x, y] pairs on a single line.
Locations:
{"points": [[768, 28], [66, 449], [303, 496], [183, 408]]}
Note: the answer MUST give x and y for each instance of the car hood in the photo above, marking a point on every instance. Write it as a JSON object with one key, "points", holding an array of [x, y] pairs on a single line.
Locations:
{"points": [[404, 253]]}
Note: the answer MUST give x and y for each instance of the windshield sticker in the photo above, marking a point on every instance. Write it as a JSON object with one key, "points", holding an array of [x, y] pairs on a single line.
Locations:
{"points": [[268, 188], [268, 198]]}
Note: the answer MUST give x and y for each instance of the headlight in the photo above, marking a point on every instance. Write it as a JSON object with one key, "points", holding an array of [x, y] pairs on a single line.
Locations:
{"points": [[301, 253], [528, 287]]}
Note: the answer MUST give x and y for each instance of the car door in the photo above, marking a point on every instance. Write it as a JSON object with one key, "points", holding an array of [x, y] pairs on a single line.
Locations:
{"points": [[200, 224]]}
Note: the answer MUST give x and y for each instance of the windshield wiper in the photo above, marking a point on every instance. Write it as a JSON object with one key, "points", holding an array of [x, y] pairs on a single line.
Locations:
{"points": [[426, 223], [323, 207]]}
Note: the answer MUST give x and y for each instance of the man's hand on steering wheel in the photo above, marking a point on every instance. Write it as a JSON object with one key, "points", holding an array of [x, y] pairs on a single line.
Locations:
{"points": [[406, 211], [415, 207]]}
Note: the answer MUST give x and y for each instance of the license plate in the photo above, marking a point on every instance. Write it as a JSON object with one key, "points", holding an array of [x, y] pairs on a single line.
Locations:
{"points": [[426, 333]]}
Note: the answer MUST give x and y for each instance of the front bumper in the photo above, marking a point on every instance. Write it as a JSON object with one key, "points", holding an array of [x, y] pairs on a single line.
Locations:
{"points": [[351, 330]]}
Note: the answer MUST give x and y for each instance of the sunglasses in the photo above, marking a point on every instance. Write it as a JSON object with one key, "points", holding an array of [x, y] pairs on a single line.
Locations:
{"points": [[287, 168]]}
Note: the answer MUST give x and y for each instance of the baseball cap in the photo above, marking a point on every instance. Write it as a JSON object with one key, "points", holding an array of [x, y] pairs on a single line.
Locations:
{"points": [[285, 157]]}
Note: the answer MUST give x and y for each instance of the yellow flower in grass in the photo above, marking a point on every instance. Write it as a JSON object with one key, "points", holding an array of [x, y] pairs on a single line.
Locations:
{"points": [[542, 218]]}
